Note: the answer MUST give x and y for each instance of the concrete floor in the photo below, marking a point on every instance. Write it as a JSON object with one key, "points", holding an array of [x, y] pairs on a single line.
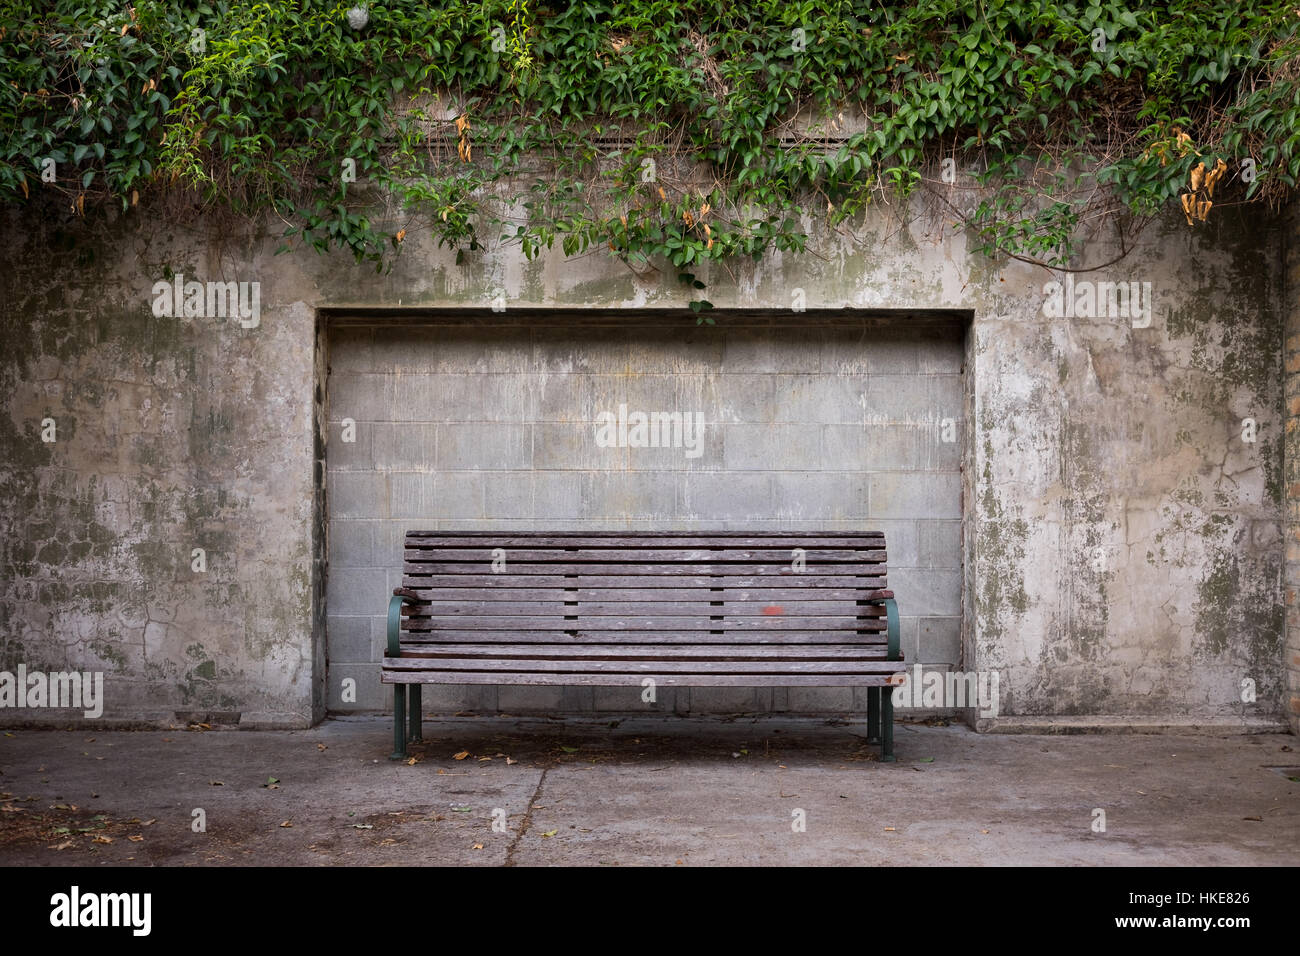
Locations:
{"points": [[644, 791]]}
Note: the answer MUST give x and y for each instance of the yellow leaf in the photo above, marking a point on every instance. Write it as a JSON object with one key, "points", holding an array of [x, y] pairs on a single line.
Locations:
{"points": [[550, 833], [103, 839], [401, 234], [287, 823], [460, 756], [477, 846]]}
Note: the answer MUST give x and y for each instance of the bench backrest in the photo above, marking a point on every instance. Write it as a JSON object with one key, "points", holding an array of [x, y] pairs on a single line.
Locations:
{"points": [[644, 587]]}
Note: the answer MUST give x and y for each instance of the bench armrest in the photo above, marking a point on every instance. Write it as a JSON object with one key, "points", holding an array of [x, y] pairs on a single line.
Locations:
{"points": [[891, 619], [395, 622]]}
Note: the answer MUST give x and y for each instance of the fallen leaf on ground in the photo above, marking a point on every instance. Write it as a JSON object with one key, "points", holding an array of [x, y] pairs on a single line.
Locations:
{"points": [[510, 761], [136, 839], [103, 839], [216, 783], [1254, 819], [926, 760], [550, 833], [477, 846], [412, 762], [321, 747], [460, 756], [363, 826], [891, 829], [460, 809], [569, 750], [287, 823]]}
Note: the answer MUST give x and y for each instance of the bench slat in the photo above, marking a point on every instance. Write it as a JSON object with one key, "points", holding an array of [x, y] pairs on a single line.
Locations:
{"points": [[569, 665], [660, 539], [420, 584], [657, 623], [644, 556], [558, 606], [582, 635], [503, 596], [649, 651], [389, 676], [594, 570]]}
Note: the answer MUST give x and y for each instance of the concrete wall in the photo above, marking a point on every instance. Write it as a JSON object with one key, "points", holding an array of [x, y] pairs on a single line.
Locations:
{"points": [[1291, 358], [1124, 542], [815, 424]]}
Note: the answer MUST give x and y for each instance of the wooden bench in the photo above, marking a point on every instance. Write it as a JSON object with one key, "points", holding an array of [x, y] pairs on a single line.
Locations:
{"points": [[717, 609]]}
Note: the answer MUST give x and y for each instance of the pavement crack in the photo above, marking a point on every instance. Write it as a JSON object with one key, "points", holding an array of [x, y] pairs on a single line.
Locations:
{"points": [[528, 818]]}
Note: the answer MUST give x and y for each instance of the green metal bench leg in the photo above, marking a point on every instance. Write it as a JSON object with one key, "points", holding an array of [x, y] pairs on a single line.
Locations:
{"points": [[399, 722], [399, 690], [887, 728], [414, 694], [873, 714]]}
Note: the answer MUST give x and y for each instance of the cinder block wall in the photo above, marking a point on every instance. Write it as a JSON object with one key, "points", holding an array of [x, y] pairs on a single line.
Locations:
{"points": [[817, 424]]}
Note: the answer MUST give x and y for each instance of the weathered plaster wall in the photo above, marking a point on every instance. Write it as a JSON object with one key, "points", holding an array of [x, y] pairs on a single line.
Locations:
{"points": [[1291, 356], [1124, 543]]}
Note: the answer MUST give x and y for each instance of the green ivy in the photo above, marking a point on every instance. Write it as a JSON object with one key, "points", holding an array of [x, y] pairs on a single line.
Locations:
{"points": [[662, 132]]}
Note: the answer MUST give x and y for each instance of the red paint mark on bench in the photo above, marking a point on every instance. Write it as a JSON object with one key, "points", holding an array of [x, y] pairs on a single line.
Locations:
{"points": [[773, 609]]}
